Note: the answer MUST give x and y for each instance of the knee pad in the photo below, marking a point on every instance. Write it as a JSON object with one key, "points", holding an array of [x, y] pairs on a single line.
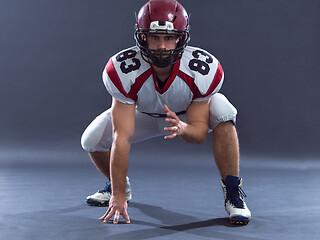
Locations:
{"points": [[221, 110], [98, 135]]}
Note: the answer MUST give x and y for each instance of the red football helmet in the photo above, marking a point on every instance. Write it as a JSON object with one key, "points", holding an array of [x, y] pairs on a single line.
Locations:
{"points": [[162, 17]]}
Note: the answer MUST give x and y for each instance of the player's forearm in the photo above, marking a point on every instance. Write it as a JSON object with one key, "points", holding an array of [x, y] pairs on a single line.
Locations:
{"points": [[119, 165], [195, 132]]}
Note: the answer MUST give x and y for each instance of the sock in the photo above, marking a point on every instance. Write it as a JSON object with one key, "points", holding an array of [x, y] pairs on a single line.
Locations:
{"points": [[232, 181]]}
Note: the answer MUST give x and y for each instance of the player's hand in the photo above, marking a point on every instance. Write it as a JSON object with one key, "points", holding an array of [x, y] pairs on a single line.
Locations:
{"points": [[177, 127], [117, 207]]}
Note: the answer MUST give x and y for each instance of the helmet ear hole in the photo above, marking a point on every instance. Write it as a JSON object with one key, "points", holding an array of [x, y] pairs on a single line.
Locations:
{"points": [[179, 39], [143, 37]]}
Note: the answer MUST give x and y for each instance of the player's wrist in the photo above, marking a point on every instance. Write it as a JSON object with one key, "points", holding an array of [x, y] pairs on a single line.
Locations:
{"points": [[119, 196], [193, 133], [182, 128]]}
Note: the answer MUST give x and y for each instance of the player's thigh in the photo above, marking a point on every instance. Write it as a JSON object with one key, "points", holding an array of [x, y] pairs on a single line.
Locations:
{"points": [[98, 135], [221, 110]]}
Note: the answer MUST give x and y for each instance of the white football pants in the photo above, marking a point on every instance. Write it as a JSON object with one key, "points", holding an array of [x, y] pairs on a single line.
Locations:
{"points": [[98, 135]]}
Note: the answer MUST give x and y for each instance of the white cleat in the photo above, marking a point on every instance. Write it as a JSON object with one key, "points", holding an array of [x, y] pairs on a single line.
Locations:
{"points": [[234, 200], [102, 197]]}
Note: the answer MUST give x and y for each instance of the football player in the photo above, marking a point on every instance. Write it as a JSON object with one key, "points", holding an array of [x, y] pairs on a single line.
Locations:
{"points": [[163, 87]]}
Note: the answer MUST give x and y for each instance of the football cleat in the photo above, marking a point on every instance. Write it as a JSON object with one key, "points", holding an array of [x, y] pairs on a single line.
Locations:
{"points": [[234, 200], [102, 197]]}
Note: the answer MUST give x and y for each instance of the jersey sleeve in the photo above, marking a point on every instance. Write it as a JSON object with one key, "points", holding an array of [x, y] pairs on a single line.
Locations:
{"points": [[114, 85], [202, 72], [121, 72], [214, 86]]}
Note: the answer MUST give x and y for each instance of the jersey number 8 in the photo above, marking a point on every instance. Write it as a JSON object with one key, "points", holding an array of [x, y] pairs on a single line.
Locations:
{"points": [[200, 66], [121, 57]]}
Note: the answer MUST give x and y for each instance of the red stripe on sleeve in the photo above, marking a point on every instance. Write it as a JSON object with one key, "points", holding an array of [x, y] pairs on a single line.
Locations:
{"points": [[193, 87], [113, 75], [216, 80]]}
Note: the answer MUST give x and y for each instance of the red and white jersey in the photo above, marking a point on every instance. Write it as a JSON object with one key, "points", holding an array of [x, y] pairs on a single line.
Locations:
{"points": [[131, 80]]}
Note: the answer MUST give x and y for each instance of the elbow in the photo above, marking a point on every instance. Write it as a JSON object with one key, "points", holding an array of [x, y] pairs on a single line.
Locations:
{"points": [[198, 140], [202, 139], [198, 136], [202, 136]]}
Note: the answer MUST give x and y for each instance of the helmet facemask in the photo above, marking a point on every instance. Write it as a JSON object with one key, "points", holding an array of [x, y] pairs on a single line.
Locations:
{"points": [[161, 58]]}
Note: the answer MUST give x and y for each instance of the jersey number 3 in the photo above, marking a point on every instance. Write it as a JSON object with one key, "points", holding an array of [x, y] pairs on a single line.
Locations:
{"points": [[123, 56], [200, 66]]}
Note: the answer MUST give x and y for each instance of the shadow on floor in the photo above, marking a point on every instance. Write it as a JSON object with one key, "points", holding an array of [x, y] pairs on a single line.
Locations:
{"points": [[172, 218], [170, 226]]}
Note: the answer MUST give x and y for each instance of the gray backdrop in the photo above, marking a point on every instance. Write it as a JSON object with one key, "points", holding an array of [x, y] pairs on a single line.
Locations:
{"points": [[52, 54]]}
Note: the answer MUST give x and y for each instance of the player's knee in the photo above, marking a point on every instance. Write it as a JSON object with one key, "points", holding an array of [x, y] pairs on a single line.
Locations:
{"points": [[221, 110], [87, 143], [92, 143], [98, 135]]}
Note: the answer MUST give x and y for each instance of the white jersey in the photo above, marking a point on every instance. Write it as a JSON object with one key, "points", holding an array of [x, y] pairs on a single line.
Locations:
{"points": [[131, 80]]}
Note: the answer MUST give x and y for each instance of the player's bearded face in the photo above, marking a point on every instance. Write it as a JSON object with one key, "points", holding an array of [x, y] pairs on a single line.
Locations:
{"points": [[161, 44]]}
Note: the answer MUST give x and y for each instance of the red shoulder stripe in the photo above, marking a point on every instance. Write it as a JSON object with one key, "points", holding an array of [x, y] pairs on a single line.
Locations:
{"points": [[113, 75], [193, 87], [216, 80]]}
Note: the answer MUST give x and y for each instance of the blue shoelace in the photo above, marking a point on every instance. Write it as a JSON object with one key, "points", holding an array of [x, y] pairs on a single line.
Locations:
{"points": [[107, 188], [233, 195]]}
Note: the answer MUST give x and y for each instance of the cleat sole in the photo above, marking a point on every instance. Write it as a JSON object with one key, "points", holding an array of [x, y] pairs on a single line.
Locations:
{"points": [[94, 203], [239, 222]]}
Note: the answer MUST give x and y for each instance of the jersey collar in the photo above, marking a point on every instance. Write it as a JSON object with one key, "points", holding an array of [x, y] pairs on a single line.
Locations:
{"points": [[170, 80]]}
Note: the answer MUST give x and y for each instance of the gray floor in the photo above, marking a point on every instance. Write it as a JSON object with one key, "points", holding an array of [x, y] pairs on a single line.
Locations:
{"points": [[176, 195]]}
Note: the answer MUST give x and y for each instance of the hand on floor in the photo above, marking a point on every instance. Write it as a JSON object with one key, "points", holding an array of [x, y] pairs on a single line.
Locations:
{"points": [[117, 207]]}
